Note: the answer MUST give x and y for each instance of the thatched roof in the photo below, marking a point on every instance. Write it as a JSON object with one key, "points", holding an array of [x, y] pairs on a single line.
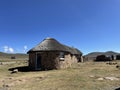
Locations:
{"points": [[50, 44], [72, 50]]}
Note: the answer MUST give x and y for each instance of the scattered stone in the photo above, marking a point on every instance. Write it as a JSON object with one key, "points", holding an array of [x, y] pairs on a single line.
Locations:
{"points": [[104, 78], [100, 79], [14, 71], [111, 78], [91, 76]]}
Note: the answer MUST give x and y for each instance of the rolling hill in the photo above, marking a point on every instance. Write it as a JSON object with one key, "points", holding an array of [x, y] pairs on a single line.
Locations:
{"points": [[93, 55], [4, 56]]}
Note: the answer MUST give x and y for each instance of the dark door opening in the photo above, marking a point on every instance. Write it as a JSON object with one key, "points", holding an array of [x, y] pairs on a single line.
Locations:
{"points": [[38, 62]]}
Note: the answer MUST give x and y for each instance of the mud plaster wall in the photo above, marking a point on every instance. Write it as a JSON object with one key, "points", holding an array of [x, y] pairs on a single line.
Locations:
{"points": [[68, 61], [51, 60], [32, 59]]}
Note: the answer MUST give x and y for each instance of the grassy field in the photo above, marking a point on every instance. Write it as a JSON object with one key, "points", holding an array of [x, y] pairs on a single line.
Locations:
{"points": [[82, 76]]}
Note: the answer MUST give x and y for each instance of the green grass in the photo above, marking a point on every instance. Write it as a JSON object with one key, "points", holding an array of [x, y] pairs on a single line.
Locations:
{"points": [[75, 78]]}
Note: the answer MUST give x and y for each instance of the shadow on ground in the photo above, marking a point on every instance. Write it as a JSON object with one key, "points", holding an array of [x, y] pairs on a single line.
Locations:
{"points": [[27, 69], [21, 69]]}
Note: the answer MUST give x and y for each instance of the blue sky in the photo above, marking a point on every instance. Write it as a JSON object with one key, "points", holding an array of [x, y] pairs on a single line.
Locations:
{"points": [[89, 25]]}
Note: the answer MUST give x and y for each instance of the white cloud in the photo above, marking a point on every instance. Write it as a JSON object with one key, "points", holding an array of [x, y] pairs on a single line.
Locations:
{"points": [[25, 48], [11, 50], [8, 49]]}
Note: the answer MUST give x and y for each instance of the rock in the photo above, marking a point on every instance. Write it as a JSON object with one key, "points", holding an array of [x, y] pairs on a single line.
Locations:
{"points": [[111, 78], [14, 71], [91, 76], [100, 79]]}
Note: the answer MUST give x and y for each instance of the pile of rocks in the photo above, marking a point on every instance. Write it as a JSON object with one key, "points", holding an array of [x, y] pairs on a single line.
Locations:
{"points": [[105, 78], [108, 78]]}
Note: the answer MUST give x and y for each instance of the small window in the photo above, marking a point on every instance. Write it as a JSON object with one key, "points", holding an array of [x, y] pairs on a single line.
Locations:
{"points": [[62, 55]]}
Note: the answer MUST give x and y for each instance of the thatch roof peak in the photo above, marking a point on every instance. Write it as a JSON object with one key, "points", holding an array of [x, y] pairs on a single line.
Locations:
{"points": [[49, 38], [51, 44]]}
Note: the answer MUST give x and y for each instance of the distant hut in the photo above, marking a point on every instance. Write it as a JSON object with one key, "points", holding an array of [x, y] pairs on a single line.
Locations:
{"points": [[118, 57], [13, 57], [102, 58], [50, 54]]}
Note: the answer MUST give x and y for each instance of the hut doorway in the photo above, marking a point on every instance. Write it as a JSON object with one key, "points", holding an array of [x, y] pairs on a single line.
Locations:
{"points": [[38, 62]]}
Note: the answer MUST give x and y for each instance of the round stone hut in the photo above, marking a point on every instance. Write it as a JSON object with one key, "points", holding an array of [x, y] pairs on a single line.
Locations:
{"points": [[50, 54]]}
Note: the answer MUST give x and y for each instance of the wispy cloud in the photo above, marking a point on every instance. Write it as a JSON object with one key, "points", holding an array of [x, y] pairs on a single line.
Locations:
{"points": [[8, 49], [25, 48]]}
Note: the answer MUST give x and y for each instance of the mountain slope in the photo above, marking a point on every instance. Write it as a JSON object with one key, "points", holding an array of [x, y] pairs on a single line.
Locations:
{"points": [[9, 56], [94, 54]]}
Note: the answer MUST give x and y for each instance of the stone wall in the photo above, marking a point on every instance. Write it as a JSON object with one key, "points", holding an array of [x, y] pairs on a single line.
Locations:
{"points": [[51, 60], [32, 59]]}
